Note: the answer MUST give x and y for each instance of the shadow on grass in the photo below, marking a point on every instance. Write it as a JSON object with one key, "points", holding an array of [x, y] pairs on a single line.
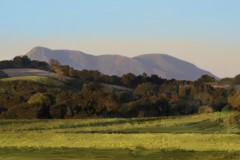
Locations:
{"points": [[97, 124], [17, 122], [203, 127], [92, 153]]}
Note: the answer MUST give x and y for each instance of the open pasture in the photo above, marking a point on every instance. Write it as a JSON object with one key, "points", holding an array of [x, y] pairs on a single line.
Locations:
{"points": [[207, 136]]}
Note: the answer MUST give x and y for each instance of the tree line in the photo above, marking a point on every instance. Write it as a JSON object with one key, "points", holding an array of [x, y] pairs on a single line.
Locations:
{"points": [[92, 96]]}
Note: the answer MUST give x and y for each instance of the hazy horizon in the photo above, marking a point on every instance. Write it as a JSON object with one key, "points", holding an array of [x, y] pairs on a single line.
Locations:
{"points": [[205, 33]]}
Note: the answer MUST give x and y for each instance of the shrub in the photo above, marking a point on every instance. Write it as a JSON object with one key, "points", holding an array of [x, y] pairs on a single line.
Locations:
{"points": [[227, 108], [234, 101], [233, 119], [43, 99], [2, 109], [58, 111], [205, 109], [237, 79], [26, 111]]}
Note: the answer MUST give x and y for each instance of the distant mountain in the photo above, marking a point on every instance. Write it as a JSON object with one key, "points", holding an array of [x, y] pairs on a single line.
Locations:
{"points": [[161, 64]]}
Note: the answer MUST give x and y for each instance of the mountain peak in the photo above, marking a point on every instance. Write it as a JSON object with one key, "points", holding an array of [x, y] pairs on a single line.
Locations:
{"points": [[37, 49], [163, 65], [40, 48]]}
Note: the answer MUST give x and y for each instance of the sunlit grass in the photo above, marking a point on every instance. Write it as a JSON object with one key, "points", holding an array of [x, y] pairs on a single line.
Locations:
{"points": [[204, 132], [39, 79], [115, 124], [192, 142]]}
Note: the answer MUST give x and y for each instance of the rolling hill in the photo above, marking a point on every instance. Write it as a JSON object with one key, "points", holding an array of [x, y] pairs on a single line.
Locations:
{"points": [[163, 65], [49, 81], [19, 72]]}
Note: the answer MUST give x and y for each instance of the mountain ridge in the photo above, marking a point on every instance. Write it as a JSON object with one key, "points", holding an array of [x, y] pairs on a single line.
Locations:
{"points": [[163, 65]]}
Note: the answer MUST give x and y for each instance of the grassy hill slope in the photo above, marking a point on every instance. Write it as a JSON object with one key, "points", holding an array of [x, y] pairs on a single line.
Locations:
{"points": [[39, 79], [26, 72]]}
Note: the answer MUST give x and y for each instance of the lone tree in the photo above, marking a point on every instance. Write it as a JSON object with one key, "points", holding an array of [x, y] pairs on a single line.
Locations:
{"points": [[206, 79], [237, 79], [55, 65]]}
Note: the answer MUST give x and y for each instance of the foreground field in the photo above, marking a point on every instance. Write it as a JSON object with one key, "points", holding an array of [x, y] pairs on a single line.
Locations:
{"points": [[208, 136], [91, 153]]}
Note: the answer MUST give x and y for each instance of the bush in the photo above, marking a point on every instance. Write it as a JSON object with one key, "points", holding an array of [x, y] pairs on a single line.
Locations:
{"points": [[205, 109], [234, 101], [2, 109], [227, 108], [26, 111], [233, 119], [237, 79], [43, 99], [58, 111]]}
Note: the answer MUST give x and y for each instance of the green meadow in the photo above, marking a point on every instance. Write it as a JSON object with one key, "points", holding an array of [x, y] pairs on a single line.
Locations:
{"points": [[205, 136]]}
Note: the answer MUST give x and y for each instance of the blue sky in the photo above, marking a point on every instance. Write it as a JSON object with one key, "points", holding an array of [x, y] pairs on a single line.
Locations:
{"points": [[204, 32]]}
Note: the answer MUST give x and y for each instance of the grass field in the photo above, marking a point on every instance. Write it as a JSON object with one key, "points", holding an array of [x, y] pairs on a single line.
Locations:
{"points": [[206, 136]]}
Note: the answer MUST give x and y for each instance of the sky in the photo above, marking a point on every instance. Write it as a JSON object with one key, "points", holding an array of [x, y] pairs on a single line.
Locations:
{"points": [[203, 32]]}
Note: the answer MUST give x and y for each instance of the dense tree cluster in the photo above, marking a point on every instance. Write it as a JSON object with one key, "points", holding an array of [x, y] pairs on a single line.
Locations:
{"points": [[27, 99], [92, 94], [129, 80], [23, 62]]}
